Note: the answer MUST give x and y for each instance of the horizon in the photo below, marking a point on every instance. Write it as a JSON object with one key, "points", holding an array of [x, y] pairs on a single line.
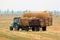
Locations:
{"points": [[21, 12]]}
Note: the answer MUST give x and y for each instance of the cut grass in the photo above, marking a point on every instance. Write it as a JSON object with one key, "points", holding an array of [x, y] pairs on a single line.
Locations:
{"points": [[13, 38], [50, 35]]}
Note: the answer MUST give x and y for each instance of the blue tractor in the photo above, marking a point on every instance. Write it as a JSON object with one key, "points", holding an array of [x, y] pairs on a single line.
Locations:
{"points": [[16, 24], [34, 25]]}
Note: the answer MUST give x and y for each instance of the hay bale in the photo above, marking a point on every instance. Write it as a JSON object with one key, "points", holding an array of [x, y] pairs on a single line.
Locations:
{"points": [[37, 14], [24, 21]]}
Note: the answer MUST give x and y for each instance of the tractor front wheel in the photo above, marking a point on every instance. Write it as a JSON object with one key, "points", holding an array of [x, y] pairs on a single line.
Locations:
{"points": [[11, 28]]}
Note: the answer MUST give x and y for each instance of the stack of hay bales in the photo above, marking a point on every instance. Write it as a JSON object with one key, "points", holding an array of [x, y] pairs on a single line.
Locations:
{"points": [[45, 17], [25, 20]]}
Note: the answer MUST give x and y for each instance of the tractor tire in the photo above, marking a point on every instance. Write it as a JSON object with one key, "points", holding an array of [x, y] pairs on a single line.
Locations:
{"points": [[37, 28], [27, 28], [11, 28], [44, 28], [16, 27], [23, 28], [33, 28]]}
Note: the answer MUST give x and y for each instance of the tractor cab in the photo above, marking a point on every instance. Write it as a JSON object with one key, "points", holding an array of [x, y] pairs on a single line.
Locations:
{"points": [[16, 20]]}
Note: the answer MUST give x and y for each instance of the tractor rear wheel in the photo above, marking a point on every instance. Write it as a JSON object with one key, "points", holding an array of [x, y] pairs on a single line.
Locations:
{"points": [[17, 27]]}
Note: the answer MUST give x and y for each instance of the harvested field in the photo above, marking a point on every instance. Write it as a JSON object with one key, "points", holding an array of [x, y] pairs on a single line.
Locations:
{"points": [[52, 33]]}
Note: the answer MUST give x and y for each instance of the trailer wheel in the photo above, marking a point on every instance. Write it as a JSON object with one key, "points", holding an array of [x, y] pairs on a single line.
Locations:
{"points": [[27, 28], [33, 28], [11, 28], [37, 28], [23, 28], [44, 28]]}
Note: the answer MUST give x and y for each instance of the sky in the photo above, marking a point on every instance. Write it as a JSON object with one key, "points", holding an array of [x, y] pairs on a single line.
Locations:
{"points": [[33, 5]]}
